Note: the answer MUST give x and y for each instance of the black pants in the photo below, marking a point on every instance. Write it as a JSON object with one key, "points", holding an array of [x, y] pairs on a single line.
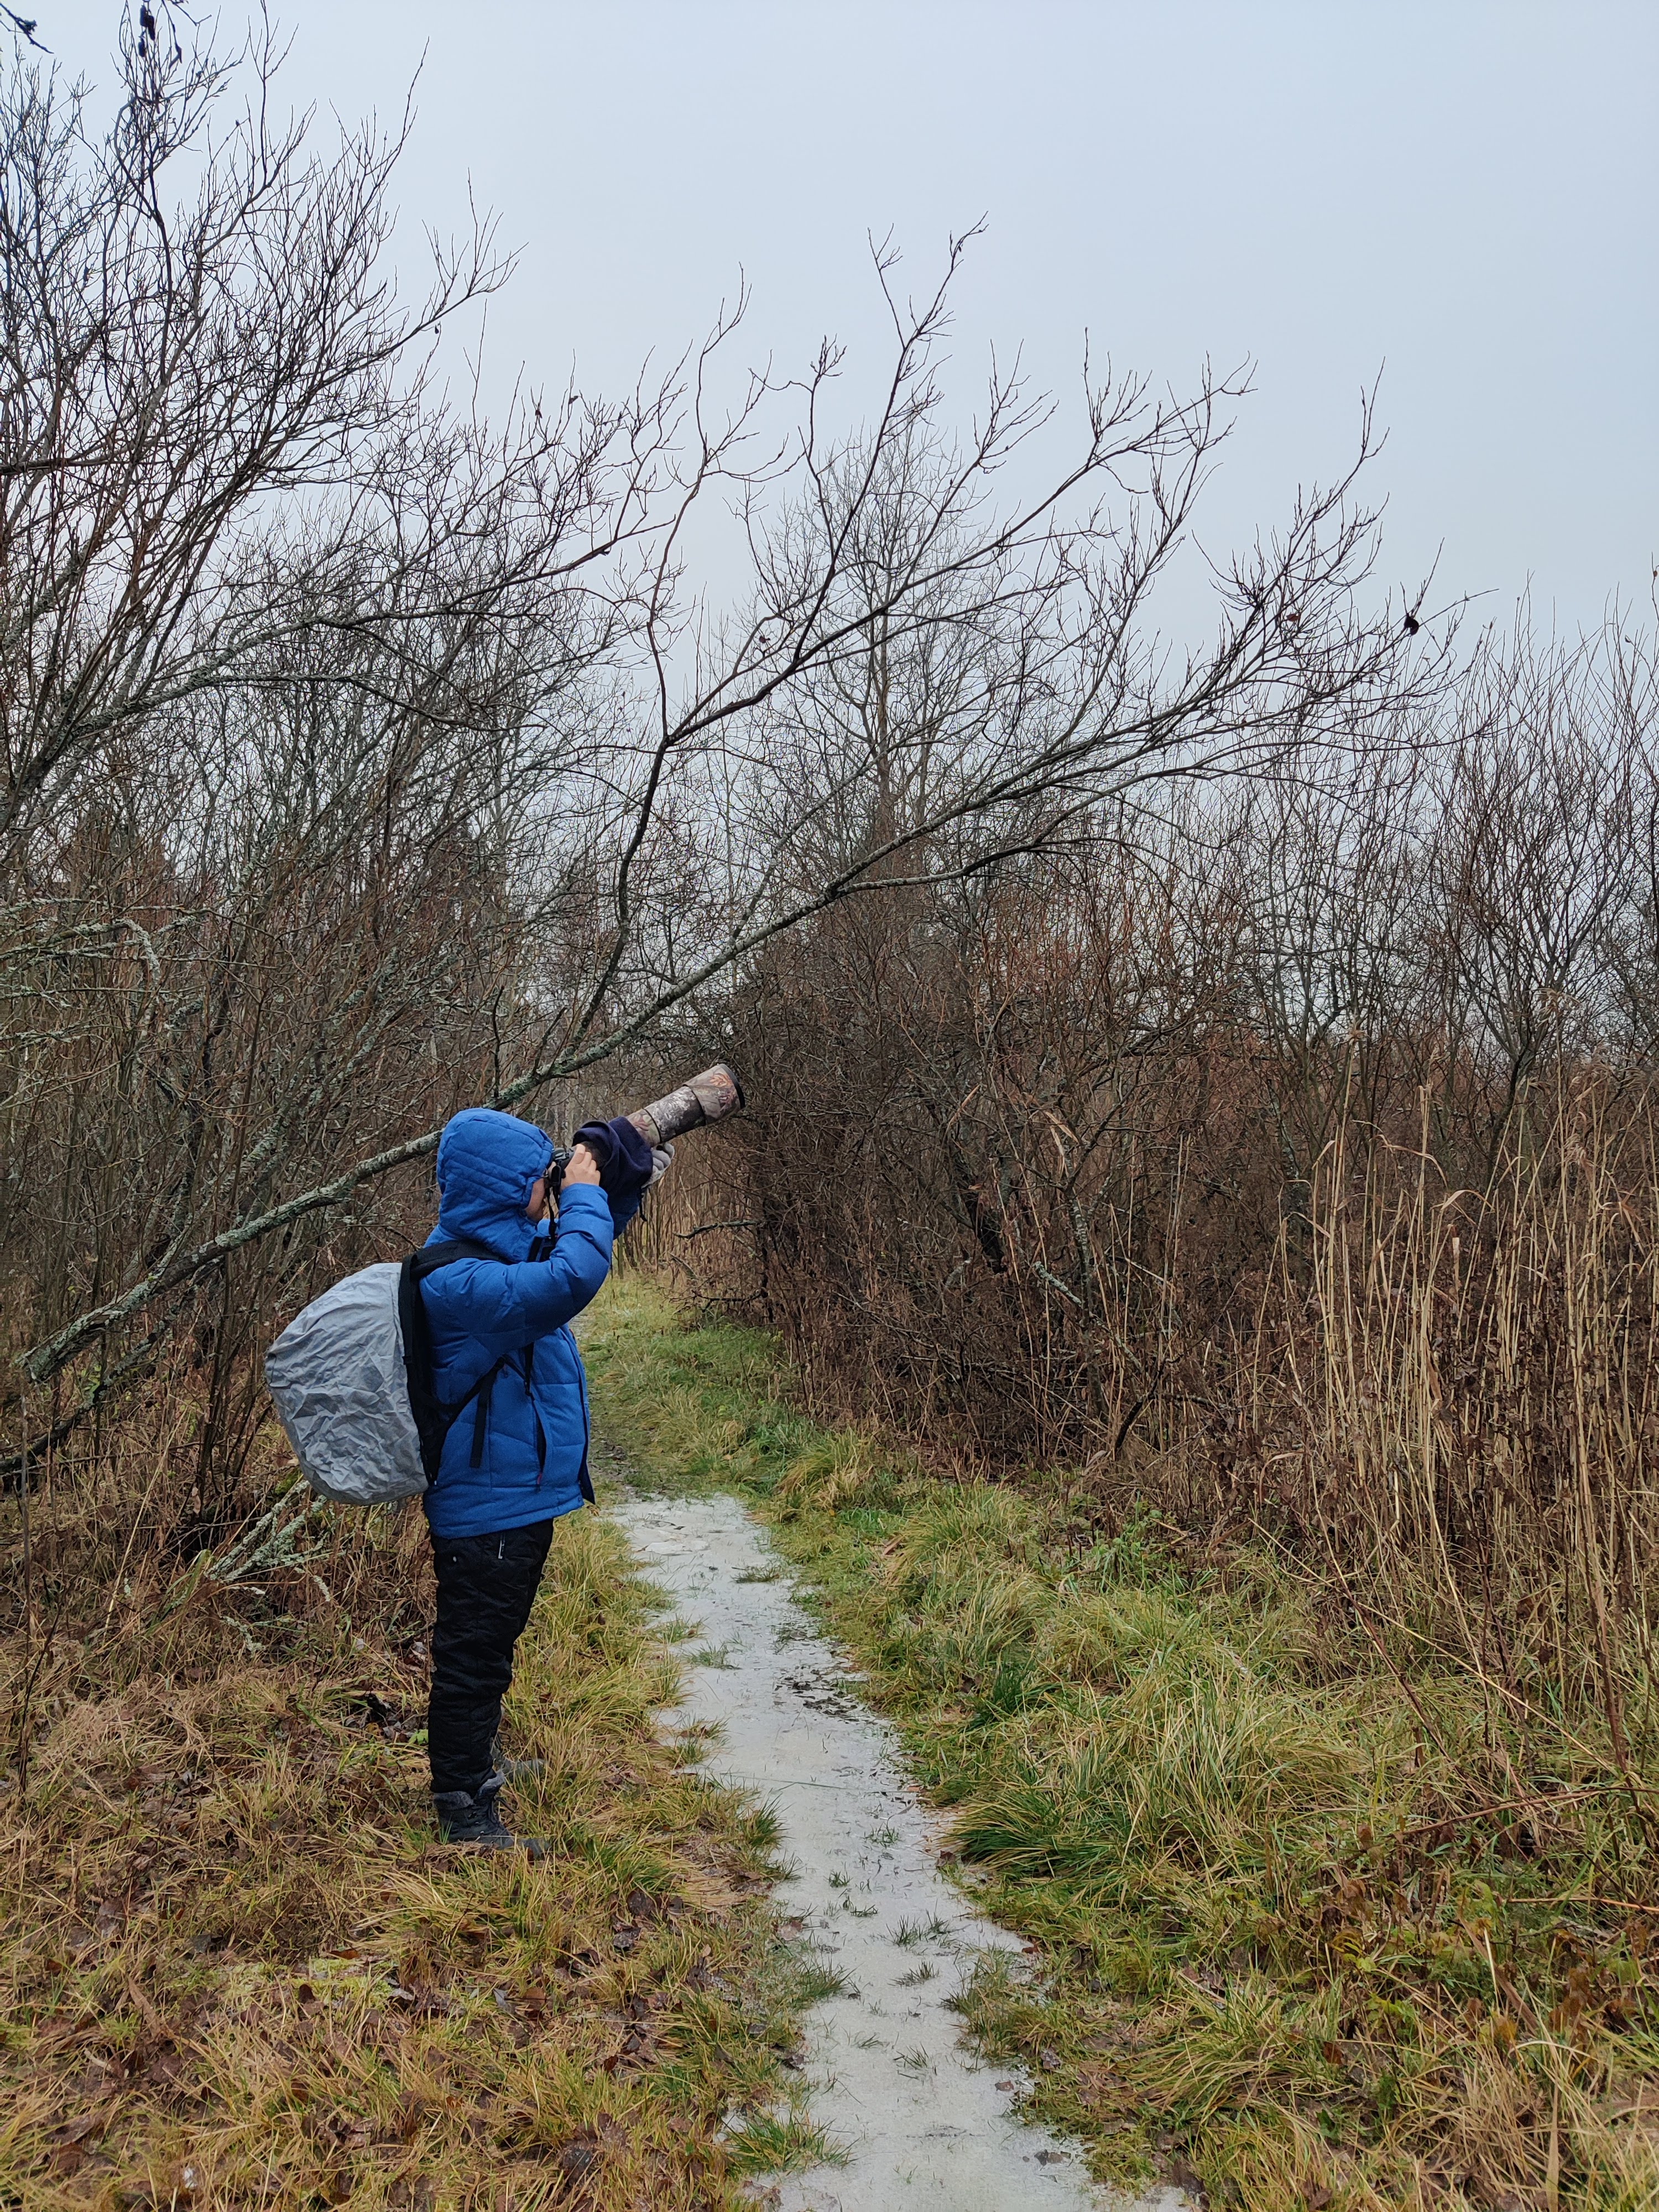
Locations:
{"points": [[486, 1587]]}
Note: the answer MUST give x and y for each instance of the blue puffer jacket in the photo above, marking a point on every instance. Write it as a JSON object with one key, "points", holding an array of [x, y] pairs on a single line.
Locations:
{"points": [[535, 1448]]}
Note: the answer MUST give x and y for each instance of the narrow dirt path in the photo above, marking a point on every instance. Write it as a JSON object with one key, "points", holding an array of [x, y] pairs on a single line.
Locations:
{"points": [[925, 2127]]}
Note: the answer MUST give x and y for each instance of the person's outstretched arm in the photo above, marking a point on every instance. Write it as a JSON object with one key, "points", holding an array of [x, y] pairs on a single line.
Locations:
{"points": [[507, 1308]]}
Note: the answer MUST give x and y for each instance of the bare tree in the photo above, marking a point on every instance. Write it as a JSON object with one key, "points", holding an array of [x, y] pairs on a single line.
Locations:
{"points": [[264, 563]]}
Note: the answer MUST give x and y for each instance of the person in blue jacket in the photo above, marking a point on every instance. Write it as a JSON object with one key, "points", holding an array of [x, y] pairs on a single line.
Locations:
{"points": [[515, 1458]]}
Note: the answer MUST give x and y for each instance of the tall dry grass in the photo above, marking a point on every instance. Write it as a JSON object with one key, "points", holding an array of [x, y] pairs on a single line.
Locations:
{"points": [[1474, 1378]]}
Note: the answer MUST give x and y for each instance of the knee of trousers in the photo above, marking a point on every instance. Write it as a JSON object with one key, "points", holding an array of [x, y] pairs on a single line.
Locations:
{"points": [[467, 1678]]}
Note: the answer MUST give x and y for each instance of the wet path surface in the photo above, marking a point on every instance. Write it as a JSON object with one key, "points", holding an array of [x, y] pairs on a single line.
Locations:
{"points": [[927, 2127]]}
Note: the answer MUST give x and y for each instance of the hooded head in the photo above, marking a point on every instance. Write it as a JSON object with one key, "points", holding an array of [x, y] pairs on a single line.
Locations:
{"points": [[488, 1165]]}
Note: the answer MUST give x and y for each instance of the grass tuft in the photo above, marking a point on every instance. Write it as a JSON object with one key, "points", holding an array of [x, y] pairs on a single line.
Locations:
{"points": [[767, 2142]]}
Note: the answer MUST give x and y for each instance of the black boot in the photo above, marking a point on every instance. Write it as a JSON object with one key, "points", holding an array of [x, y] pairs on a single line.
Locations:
{"points": [[473, 1818]]}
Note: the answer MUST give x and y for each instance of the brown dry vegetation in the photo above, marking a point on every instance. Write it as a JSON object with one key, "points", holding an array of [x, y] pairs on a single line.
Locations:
{"points": [[1215, 1088], [236, 1970], [1276, 1186], [1291, 1169]]}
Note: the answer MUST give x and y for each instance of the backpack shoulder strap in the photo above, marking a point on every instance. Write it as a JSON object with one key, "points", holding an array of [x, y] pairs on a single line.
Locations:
{"points": [[433, 1416], [430, 1257]]}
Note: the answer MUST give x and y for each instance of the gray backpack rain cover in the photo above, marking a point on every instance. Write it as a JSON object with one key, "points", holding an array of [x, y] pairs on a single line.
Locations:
{"points": [[340, 1384]]}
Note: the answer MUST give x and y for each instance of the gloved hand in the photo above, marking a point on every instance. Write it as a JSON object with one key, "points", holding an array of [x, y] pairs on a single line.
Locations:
{"points": [[627, 1165], [662, 1158]]}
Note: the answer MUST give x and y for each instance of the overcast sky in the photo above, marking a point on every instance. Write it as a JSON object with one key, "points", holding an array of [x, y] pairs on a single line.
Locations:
{"points": [[1462, 197]]}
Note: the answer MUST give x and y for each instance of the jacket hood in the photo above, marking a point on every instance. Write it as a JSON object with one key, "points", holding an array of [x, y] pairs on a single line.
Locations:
{"points": [[488, 1164]]}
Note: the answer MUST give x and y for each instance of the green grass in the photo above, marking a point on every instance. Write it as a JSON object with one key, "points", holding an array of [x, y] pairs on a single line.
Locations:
{"points": [[1298, 1938]]}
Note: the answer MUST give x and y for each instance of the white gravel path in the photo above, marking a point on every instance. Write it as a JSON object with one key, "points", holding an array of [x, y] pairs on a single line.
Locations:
{"points": [[927, 2128]]}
